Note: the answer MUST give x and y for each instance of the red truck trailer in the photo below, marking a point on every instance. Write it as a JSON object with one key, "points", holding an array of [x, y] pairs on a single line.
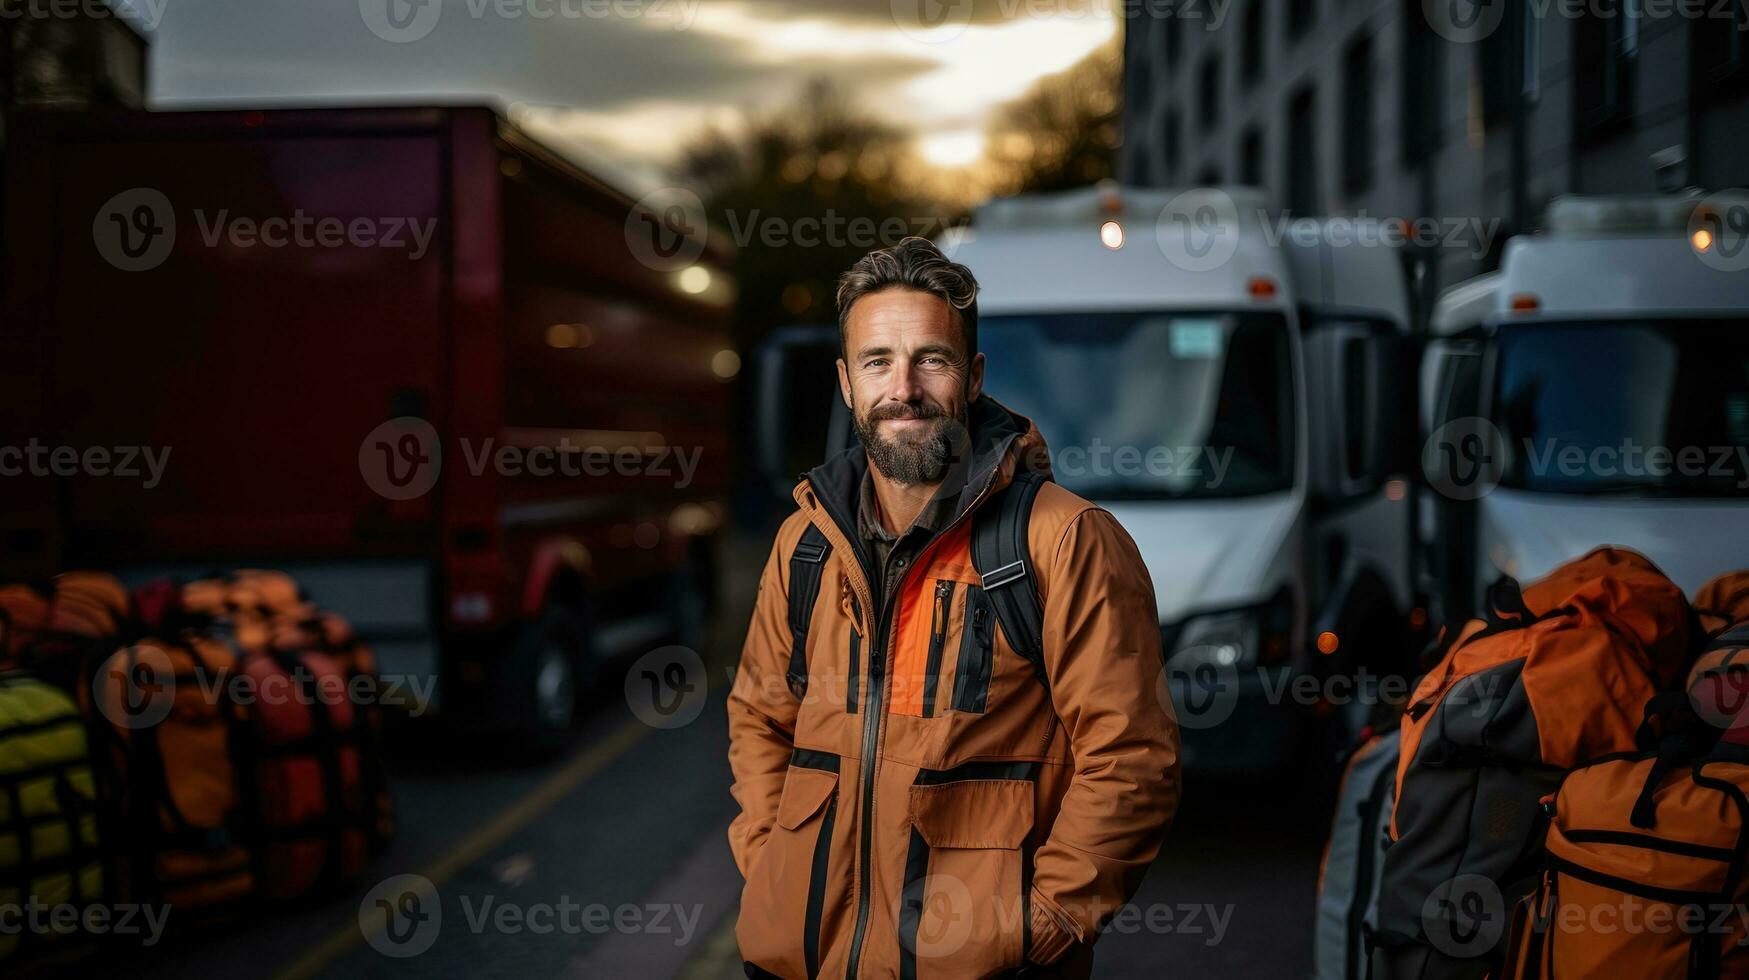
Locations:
{"points": [[406, 354]]}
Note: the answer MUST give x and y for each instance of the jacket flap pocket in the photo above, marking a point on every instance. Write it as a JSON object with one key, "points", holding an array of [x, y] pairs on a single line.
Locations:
{"points": [[973, 812], [805, 792]]}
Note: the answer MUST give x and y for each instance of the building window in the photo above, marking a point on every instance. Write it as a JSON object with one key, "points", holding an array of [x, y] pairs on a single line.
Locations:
{"points": [[1139, 75], [1251, 157], [1357, 116], [1301, 178], [1508, 61], [1254, 43], [1721, 53], [1208, 93], [1419, 113], [1170, 140], [1531, 33], [1606, 43], [1300, 15]]}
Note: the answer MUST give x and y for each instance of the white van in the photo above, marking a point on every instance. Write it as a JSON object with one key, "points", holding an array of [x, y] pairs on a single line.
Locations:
{"points": [[1594, 390], [1227, 385]]}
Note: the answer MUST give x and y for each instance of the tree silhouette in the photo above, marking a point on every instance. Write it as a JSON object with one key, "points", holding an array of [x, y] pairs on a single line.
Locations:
{"points": [[804, 191], [1064, 132]]}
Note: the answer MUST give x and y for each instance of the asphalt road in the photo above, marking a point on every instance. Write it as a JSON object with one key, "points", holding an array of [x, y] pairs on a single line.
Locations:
{"points": [[612, 861]]}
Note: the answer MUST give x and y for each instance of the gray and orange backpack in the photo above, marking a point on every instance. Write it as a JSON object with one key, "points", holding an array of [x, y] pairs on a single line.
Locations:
{"points": [[1550, 677]]}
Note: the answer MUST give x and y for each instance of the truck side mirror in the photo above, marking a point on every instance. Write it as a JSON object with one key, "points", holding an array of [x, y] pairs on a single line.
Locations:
{"points": [[1398, 449], [800, 418], [1362, 420]]}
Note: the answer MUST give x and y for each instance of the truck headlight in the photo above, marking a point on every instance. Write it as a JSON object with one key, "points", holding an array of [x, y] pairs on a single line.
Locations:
{"points": [[1231, 639]]}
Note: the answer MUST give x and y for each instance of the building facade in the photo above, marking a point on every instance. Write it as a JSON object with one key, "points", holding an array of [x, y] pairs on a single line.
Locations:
{"points": [[1465, 115]]}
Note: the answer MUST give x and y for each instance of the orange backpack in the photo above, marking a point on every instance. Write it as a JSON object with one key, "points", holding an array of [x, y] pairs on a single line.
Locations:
{"points": [[1551, 676], [312, 783], [1644, 874], [171, 730]]}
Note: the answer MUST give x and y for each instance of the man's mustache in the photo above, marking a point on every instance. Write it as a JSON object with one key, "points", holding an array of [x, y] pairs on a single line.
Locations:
{"points": [[886, 412]]}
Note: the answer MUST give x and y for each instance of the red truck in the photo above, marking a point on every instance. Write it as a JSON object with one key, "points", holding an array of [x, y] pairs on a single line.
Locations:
{"points": [[471, 396]]}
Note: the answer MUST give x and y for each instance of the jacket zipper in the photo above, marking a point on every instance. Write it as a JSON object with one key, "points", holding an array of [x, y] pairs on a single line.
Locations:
{"points": [[937, 639], [856, 625], [874, 709]]}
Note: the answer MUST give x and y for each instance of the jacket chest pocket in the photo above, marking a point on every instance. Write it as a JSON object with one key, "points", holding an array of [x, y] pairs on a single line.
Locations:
{"points": [[977, 651], [946, 655]]}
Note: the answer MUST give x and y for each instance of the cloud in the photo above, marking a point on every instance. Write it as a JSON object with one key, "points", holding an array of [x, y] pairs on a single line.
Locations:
{"points": [[640, 83]]}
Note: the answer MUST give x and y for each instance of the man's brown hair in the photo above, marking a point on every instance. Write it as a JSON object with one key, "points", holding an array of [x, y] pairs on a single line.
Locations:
{"points": [[914, 263]]}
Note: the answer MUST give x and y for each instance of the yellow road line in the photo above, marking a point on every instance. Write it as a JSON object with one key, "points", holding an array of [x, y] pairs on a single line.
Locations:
{"points": [[720, 956], [482, 840]]}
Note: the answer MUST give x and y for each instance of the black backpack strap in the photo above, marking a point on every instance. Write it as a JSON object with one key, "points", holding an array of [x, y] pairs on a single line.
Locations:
{"points": [[806, 564], [1001, 558]]}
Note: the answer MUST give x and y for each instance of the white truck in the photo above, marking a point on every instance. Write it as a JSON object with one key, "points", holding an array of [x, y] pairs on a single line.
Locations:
{"points": [[1594, 390], [1232, 387]]}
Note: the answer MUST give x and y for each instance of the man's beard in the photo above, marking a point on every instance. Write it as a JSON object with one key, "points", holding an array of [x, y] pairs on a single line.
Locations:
{"points": [[915, 457]]}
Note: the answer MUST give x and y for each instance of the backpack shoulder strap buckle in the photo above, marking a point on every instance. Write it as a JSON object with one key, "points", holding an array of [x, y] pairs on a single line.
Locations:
{"points": [[1006, 575]]}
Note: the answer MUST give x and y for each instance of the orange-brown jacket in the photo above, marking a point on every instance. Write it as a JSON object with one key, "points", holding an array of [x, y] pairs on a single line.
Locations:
{"points": [[884, 833]]}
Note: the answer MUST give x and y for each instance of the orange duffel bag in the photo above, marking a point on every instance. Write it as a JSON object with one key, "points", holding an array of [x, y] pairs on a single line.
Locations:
{"points": [[319, 806], [61, 629], [1659, 896]]}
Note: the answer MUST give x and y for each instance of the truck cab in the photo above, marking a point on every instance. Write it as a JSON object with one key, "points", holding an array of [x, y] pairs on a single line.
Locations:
{"points": [[1594, 390], [1223, 409]]}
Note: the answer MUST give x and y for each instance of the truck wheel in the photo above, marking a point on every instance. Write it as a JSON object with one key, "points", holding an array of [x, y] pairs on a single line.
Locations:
{"points": [[544, 679]]}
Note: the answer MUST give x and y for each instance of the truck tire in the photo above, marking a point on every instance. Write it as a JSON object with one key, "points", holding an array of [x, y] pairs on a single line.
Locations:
{"points": [[689, 603], [546, 678]]}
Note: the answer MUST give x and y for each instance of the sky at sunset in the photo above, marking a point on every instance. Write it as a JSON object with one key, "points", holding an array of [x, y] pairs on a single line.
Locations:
{"points": [[622, 84]]}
